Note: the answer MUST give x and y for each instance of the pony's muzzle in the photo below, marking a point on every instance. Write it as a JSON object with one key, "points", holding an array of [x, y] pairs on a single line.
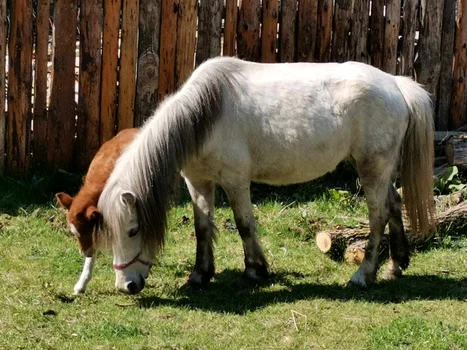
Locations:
{"points": [[134, 287]]}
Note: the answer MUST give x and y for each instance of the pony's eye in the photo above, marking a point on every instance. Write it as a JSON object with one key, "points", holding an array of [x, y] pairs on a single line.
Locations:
{"points": [[133, 231]]}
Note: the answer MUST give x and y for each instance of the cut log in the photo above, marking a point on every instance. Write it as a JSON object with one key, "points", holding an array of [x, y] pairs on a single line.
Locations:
{"points": [[456, 152]]}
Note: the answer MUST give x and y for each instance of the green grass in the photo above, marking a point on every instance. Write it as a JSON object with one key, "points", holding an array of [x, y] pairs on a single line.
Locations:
{"points": [[305, 304]]}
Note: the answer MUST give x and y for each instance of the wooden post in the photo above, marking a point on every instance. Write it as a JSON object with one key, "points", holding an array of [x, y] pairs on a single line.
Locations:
{"points": [[443, 116], [307, 26], [391, 35], [248, 41], [459, 95], [3, 43], [324, 31], [91, 27], [409, 25], [168, 48], [128, 60], [340, 38], [230, 28], [359, 39], [109, 69], [288, 20], [428, 64], [147, 83], [269, 31], [209, 30], [377, 33], [19, 88], [186, 34]]}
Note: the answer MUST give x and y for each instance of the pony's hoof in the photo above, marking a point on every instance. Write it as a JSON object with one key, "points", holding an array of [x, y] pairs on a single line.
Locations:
{"points": [[197, 279], [391, 273], [256, 273], [79, 289], [361, 280]]}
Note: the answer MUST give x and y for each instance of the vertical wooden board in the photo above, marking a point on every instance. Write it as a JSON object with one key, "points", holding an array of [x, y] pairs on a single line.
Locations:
{"points": [[40, 84], [3, 52], [358, 50], [307, 26], [341, 39], [186, 35], [128, 61], [108, 116], [459, 91], [287, 25], [62, 109], [168, 48], [209, 30], [88, 137], [230, 28], [269, 31], [377, 33], [324, 31], [391, 35], [409, 25], [443, 116], [248, 40], [147, 81], [19, 88], [428, 64]]}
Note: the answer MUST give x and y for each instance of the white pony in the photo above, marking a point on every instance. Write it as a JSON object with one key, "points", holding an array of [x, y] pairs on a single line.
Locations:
{"points": [[234, 122]]}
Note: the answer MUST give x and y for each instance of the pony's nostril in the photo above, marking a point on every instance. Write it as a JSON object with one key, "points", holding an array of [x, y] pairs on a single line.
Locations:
{"points": [[132, 288]]}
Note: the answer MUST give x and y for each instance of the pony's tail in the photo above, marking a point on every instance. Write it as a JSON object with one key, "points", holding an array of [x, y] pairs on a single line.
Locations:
{"points": [[417, 158]]}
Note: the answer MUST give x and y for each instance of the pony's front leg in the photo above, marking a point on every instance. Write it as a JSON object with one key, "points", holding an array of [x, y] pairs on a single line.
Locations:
{"points": [[86, 274], [202, 195], [256, 266]]}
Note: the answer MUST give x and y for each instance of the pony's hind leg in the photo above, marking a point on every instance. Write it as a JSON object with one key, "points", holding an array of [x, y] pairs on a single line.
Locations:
{"points": [[398, 245], [202, 195], [256, 266], [375, 176]]}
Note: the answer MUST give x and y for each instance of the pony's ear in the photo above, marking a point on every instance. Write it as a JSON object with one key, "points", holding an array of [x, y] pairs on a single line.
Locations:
{"points": [[64, 200], [92, 213], [128, 199]]}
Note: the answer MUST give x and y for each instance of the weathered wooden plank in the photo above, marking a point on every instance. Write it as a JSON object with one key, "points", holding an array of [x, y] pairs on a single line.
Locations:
{"points": [[109, 69], [248, 41], [428, 64], [19, 89], [40, 84], [147, 82], [324, 31], [62, 111], [307, 27], [340, 37], [358, 50], [3, 52], [91, 27], [443, 115], [230, 28], [391, 35], [288, 23], [186, 35], [128, 61], [209, 30], [459, 90], [377, 33], [269, 31], [168, 47], [409, 25]]}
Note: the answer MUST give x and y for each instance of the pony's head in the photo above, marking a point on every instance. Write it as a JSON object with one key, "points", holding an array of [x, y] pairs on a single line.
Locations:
{"points": [[82, 218], [122, 232]]}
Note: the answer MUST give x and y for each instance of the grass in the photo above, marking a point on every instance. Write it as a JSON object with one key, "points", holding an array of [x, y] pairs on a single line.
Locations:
{"points": [[305, 304]]}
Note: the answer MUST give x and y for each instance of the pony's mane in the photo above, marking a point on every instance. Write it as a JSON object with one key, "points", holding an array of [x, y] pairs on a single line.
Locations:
{"points": [[148, 167]]}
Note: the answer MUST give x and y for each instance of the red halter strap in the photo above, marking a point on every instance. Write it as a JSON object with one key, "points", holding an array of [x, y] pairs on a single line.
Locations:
{"points": [[136, 259]]}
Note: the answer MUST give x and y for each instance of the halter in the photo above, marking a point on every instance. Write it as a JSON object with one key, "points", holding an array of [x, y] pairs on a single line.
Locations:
{"points": [[136, 259]]}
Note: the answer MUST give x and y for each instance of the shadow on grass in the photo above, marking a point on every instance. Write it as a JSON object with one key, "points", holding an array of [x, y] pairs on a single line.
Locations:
{"points": [[227, 294]]}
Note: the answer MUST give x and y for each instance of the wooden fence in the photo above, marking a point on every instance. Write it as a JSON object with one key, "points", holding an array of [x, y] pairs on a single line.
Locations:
{"points": [[77, 71]]}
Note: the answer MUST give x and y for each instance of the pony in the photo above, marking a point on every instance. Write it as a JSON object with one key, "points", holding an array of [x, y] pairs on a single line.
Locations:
{"points": [[235, 122], [82, 212]]}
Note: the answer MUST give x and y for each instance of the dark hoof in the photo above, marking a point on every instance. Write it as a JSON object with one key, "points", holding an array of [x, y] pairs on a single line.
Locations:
{"points": [[199, 279], [256, 272]]}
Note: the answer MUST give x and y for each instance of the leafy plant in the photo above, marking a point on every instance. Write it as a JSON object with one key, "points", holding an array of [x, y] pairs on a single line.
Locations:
{"points": [[449, 181]]}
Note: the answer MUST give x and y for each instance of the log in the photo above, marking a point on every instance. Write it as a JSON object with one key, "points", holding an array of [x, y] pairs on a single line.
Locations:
{"points": [[456, 152]]}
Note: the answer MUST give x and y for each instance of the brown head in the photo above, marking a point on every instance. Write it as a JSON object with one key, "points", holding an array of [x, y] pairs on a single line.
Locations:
{"points": [[82, 218]]}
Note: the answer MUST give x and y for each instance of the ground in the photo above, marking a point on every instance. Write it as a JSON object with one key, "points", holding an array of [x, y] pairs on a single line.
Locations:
{"points": [[305, 305]]}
